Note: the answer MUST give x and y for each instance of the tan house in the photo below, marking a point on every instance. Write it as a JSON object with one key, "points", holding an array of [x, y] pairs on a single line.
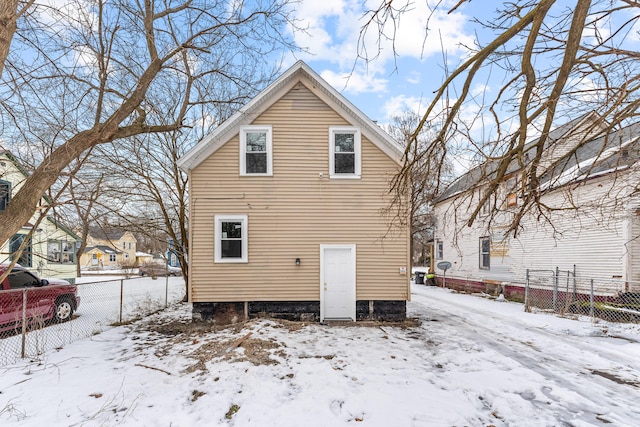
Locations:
{"points": [[286, 210], [50, 247], [109, 249]]}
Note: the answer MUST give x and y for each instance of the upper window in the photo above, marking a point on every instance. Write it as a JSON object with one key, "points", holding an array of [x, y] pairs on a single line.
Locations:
{"points": [[14, 245], [344, 156], [485, 253], [511, 189], [231, 238], [5, 194], [485, 209], [60, 252], [255, 150], [439, 250]]}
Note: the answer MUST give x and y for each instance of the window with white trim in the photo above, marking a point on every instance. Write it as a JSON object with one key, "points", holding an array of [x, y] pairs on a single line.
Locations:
{"points": [[485, 209], [344, 152], [112, 257], [255, 150], [485, 253], [439, 250], [231, 238]]}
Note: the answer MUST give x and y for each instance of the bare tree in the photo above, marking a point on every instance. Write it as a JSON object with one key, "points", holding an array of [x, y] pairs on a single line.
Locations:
{"points": [[556, 60], [427, 177], [90, 73], [157, 189]]}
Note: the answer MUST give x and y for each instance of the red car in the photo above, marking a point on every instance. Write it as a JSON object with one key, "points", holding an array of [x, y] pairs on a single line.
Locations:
{"points": [[47, 300]]}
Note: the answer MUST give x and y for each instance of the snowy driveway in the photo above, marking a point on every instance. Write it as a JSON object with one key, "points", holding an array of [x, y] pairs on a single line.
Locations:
{"points": [[470, 362]]}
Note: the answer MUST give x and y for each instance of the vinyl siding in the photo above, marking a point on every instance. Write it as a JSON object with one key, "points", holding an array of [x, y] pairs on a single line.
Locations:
{"points": [[599, 237], [294, 211]]}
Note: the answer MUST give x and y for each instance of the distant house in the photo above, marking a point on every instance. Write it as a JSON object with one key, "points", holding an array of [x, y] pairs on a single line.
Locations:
{"points": [[51, 247], [109, 249], [287, 201], [591, 221]]}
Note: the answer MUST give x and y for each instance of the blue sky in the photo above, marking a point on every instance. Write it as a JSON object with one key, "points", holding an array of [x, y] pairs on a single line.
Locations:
{"points": [[389, 84]]}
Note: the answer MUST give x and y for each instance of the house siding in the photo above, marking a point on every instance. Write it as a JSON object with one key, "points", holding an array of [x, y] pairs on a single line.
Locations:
{"points": [[46, 230], [599, 237], [294, 211]]}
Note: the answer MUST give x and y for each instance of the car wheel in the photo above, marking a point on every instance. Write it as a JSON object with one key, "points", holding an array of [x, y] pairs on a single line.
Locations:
{"points": [[63, 310]]}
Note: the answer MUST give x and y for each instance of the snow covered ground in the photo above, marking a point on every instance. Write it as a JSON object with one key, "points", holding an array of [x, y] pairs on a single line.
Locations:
{"points": [[467, 361]]}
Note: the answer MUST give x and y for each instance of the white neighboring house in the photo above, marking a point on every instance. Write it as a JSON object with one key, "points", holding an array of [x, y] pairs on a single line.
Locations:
{"points": [[51, 248], [599, 237]]}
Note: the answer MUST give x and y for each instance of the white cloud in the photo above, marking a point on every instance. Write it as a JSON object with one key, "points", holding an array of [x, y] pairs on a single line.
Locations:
{"points": [[397, 105], [333, 34], [354, 82]]}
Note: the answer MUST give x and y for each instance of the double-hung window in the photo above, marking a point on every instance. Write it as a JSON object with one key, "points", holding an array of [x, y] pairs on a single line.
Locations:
{"points": [[485, 253], [255, 150], [344, 152], [5, 194], [231, 238], [439, 250], [60, 252]]}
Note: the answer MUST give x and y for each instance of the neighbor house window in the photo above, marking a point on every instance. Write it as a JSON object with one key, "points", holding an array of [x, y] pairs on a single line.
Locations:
{"points": [[124, 245], [439, 250], [511, 189], [14, 245], [485, 209], [5, 194], [60, 251], [485, 253], [112, 257], [231, 238], [344, 152], [255, 150]]}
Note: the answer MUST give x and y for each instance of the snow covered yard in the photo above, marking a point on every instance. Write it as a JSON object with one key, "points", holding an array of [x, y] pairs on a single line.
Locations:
{"points": [[465, 361]]}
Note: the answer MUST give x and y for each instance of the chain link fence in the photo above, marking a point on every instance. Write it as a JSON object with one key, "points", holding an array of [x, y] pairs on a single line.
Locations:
{"points": [[563, 292], [34, 320]]}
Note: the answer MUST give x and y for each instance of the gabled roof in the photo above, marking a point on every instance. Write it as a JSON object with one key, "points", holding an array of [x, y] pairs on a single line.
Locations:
{"points": [[297, 73], [25, 173], [487, 170], [110, 234], [102, 248]]}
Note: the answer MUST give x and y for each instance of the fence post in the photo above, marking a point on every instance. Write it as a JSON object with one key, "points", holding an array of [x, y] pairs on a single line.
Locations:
{"points": [[166, 292], [526, 293], [24, 324], [575, 293], [555, 289], [121, 297], [591, 311]]}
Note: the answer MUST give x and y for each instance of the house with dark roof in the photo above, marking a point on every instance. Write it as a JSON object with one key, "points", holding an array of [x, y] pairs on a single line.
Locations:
{"points": [[49, 246], [589, 224], [109, 249]]}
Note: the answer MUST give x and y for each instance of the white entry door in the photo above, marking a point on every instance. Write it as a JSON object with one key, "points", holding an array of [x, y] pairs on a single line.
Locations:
{"points": [[337, 282]]}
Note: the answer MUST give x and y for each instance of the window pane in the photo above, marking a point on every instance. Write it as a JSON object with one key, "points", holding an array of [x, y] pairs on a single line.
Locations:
{"points": [[345, 163], [5, 194], [344, 143], [53, 251], [256, 162], [485, 260], [21, 279], [231, 248], [486, 245], [232, 230], [68, 251], [256, 142]]}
